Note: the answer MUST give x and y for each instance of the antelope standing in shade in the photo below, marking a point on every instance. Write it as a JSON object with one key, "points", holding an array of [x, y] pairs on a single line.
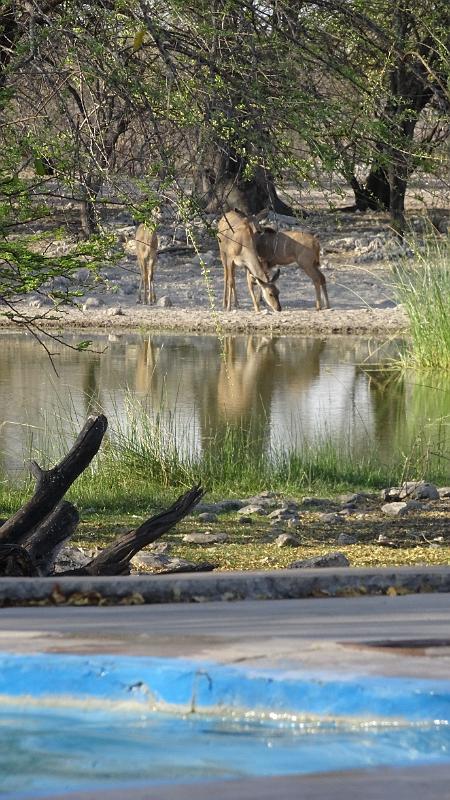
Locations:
{"points": [[146, 253], [236, 235], [277, 248]]}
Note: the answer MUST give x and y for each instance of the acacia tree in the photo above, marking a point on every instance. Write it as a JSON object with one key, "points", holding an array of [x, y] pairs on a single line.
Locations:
{"points": [[389, 61]]}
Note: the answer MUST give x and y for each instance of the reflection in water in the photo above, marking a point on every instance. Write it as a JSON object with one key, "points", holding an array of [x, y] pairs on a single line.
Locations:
{"points": [[286, 391]]}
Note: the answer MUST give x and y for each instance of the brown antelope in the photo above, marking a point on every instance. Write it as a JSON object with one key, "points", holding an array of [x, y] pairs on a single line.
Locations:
{"points": [[146, 253], [236, 235], [277, 248]]}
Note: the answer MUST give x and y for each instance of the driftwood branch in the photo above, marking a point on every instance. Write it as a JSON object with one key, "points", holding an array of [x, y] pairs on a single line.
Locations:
{"points": [[52, 484], [31, 539], [115, 559]]}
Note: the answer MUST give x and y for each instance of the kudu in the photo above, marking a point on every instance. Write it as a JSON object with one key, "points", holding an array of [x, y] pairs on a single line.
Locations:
{"points": [[236, 235], [146, 253], [277, 248]]}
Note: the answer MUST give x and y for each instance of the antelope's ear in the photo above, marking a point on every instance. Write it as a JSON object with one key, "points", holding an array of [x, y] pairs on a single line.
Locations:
{"points": [[261, 214], [275, 276], [262, 283]]}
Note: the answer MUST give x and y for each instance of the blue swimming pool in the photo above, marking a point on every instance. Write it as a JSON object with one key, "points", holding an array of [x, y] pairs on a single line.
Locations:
{"points": [[69, 723]]}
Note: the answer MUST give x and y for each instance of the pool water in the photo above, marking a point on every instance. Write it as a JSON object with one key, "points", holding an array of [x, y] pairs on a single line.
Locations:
{"points": [[53, 750], [81, 722]]}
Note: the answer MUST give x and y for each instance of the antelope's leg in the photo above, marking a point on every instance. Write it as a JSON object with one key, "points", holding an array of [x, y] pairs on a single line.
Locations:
{"points": [[225, 282], [152, 285], [324, 289], [251, 287]]}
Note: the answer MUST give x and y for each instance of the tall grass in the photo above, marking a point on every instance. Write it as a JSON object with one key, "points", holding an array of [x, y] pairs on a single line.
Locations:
{"points": [[144, 461], [423, 288]]}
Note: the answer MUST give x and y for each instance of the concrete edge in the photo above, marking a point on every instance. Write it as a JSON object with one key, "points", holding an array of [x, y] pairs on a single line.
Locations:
{"points": [[185, 685], [200, 587]]}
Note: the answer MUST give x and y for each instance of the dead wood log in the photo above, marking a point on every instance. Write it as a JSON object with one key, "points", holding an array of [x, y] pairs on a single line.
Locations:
{"points": [[48, 539], [32, 537], [115, 559], [52, 484]]}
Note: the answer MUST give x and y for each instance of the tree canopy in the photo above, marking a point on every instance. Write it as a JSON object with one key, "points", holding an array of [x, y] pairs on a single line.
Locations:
{"points": [[214, 104]]}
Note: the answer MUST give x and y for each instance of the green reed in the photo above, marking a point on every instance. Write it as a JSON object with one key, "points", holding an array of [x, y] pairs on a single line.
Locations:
{"points": [[423, 287], [146, 459]]}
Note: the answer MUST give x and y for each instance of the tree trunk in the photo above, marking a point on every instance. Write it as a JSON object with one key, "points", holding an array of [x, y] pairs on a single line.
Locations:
{"points": [[375, 194], [229, 189], [88, 213]]}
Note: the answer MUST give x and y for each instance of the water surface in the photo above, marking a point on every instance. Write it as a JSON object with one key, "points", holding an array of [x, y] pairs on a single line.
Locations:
{"points": [[57, 750], [289, 391]]}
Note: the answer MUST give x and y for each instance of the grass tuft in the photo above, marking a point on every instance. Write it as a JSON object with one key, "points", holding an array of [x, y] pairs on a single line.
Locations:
{"points": [[423, 287]]}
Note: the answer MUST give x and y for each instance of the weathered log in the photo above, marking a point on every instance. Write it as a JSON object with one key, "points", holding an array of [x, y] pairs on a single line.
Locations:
{"points": [[115, 559], [48, 539], [52, 484]]}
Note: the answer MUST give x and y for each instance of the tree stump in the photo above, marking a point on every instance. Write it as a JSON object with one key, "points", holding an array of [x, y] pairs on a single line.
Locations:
{"points": [[31, 539]]}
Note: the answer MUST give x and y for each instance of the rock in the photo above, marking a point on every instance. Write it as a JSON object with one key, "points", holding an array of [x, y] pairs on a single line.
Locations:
{"points": [[353, 498], [246, 521], [207, 508], [336, 559], [92, 302], [83, 274], [164, 302], [206, 538], [72, 558], [385, 541], [287, 540], [419, 490], [159, 547], [161, 563], [253, 508], [284, 514], [444, 491], [330, 518], [115, 311], [207, 516], [401, 508], [346, 538], [311, 502], [231, 505], [265, 499], [416, 490]]}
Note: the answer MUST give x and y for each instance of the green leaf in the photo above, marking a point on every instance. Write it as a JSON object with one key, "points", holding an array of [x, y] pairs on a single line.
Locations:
{"points": [[84, 344], [39, 166], [138, 39]]}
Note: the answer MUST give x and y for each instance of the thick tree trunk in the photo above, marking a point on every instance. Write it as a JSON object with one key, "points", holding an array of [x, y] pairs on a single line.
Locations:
{"points": [[227, 188], [375, 194]]}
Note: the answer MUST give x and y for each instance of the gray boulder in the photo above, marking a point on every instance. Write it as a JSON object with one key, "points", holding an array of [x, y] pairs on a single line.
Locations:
{"points": [[207, 516], [287, 540], [206, 538], [401, 508], [336, 559]]}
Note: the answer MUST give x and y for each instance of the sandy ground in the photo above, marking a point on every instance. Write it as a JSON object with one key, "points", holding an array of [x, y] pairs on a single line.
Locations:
{"points": [[358, 251]]}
